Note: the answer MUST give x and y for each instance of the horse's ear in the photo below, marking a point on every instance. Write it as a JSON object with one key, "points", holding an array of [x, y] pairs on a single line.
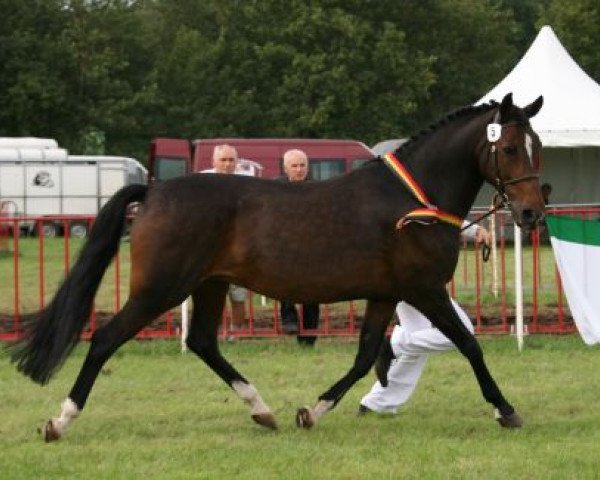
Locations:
{"points": [[505, 106], [532, 109]]}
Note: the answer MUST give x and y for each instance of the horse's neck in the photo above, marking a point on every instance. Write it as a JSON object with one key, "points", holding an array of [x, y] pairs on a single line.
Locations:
{"points": [[447, 171]]}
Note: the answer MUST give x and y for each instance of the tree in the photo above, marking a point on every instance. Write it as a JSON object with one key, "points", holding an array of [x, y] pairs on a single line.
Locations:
{"points": [[129, 70], [275, 68], [577, 24], [32, 69], [71, 67], [471, 44], [108, 66]]}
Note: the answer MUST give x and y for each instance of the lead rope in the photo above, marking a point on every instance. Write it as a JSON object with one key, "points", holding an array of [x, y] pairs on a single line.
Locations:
{"points": [[485, 250]]}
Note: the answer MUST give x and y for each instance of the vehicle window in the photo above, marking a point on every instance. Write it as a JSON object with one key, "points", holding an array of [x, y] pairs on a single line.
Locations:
{"points": [[136, 175], [324, 169], [359, 163], [165, 168]]}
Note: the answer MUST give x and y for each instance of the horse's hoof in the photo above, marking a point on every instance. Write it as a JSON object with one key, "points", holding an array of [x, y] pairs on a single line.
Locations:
{"points": [[266, 420], [305, 418], [509, 421], [50, 433]]}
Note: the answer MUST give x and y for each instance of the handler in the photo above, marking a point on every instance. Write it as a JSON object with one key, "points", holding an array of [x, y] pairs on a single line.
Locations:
{"points": [[409, 346]]}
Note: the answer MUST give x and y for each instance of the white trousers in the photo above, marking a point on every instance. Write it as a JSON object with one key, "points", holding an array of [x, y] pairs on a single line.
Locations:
{"points": [[412, 341]]}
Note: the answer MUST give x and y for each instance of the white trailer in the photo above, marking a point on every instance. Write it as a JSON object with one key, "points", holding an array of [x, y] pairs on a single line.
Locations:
{"points": [[50, 183], [27, 142]]}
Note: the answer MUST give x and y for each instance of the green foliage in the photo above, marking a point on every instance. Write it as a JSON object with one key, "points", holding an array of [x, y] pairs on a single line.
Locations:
{"points": [[472, 44], [364, 69], [155, 413]]}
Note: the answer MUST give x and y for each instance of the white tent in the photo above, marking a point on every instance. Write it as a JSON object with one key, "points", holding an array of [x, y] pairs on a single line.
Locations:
{"points": [[570, 116], [568, 123]]}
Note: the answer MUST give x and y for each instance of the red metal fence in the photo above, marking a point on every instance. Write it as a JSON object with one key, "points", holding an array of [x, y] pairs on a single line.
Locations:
{"points": [[32, 267]]}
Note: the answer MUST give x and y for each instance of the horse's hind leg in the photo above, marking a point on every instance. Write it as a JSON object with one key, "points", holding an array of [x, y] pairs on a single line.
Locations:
{"points": [[209, 300], [377, 318], [135, 315], [437, 307]]}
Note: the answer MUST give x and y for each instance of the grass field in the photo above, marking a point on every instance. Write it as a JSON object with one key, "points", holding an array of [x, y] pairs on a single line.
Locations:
{"points": [[158, 414]]}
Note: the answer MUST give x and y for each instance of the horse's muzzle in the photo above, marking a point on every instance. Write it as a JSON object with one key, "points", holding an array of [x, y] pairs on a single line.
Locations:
{"points": [[531, 218]]}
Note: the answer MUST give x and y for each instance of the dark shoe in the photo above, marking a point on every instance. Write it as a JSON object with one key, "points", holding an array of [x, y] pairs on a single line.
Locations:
{"points": [[382, 364], [362, 410], [306, 341]]}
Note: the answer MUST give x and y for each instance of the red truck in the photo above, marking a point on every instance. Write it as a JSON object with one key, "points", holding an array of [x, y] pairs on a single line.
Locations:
{"points": [[170, 157]]}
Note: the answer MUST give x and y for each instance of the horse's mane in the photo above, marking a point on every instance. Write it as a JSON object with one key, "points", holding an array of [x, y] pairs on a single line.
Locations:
{"points": [[458, 113]]}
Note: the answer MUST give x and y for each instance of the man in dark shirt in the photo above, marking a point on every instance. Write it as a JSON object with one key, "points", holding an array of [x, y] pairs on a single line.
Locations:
{"points": [[295, 167]]}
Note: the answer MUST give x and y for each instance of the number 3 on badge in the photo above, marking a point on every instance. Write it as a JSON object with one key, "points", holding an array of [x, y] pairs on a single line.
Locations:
{"points": [[494, 130]]}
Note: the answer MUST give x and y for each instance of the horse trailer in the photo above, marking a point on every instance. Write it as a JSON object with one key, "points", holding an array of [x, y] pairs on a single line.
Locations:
{"points": [[45, 181]]}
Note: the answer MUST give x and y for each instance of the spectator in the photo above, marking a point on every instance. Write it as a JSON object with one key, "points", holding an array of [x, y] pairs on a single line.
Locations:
{"points": [[225, 159], [546, 191], [295, 167], [544, 236]]}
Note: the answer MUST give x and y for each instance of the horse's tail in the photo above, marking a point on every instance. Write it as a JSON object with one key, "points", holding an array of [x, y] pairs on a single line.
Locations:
{"points": [[52, 333]]}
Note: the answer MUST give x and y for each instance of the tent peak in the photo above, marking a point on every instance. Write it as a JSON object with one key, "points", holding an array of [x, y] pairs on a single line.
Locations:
{"points": [[571, 97]]}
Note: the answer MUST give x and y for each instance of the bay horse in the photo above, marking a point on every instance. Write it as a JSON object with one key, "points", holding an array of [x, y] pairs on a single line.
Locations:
{"points": [[386, 232]]}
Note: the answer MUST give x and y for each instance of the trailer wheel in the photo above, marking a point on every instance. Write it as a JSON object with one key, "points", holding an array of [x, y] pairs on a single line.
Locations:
{"points": [[49, 230], [78, 230]]}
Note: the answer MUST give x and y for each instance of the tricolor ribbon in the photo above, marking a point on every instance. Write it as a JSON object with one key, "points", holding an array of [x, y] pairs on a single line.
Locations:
{"points": [[422, 215]]}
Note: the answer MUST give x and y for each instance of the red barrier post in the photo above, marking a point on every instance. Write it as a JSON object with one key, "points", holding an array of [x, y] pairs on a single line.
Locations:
{"points": [[535, 251], [41, 262], [16, 316]]}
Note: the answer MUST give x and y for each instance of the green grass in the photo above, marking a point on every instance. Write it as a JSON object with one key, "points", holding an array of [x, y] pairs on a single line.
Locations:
{"points": [[158, 414]]}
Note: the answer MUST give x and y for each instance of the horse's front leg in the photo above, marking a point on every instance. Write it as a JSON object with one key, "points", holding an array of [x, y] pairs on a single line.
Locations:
{"points": [[436, 306], [377, 318]]}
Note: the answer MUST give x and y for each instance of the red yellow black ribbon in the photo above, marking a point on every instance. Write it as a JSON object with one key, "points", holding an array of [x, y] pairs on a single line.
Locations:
{"points": [[422, 215]]}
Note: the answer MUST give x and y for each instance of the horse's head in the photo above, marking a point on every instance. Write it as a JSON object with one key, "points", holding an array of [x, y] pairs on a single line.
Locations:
{"points": [[511, 160]]}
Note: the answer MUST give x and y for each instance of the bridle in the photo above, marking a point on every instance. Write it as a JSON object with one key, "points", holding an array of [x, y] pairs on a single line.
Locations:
{"points": [[499, 183], [501, 199]]}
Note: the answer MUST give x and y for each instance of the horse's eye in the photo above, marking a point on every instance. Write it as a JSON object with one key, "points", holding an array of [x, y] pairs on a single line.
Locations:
{"points": [[510, 150]]}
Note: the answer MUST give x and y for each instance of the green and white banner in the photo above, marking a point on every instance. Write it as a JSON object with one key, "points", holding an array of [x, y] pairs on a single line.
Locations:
{"points": [[576, 245]]}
